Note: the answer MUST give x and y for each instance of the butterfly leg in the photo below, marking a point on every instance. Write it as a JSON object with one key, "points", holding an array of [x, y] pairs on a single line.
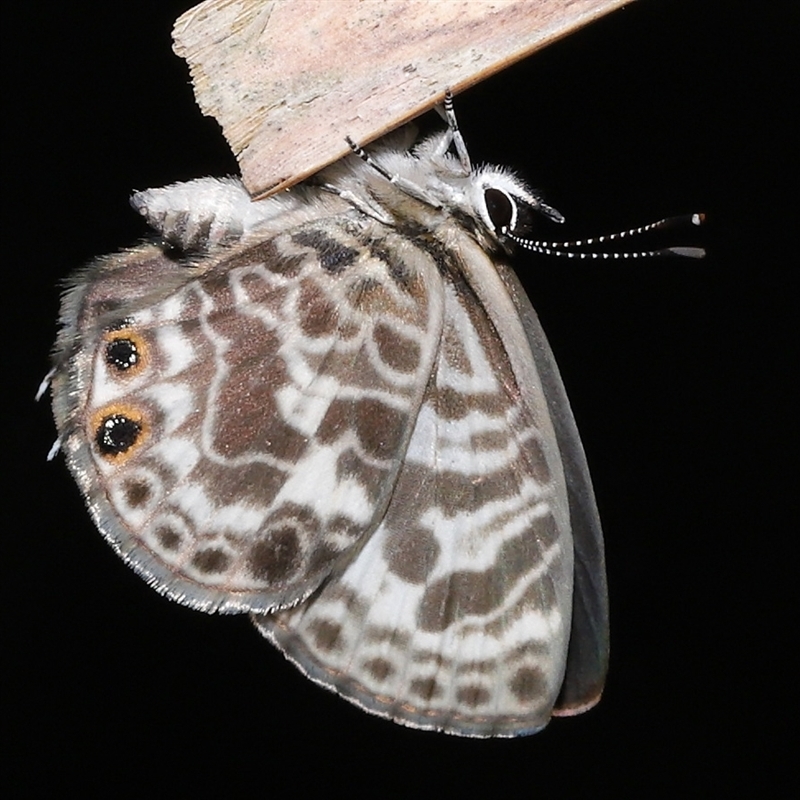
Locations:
{"points": [[373, 211], [453, 135], [45, 384], [405, 185]]}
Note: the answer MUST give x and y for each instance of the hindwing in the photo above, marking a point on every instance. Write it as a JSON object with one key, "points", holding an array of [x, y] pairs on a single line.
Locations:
{"points": [[237, 432]]}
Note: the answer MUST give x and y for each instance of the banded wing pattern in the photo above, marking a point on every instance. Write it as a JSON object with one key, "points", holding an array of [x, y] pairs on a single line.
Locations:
{"points": [[456, 613], [237, 435], [335, 410]]}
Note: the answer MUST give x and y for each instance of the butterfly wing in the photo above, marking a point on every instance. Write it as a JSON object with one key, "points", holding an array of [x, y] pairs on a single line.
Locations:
{"points": [[455, 614], [237, 423], [587, 658]]}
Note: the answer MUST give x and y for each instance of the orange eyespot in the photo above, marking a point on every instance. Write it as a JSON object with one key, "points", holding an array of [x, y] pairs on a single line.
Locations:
{"points": [[126, 351], [117, 431]]}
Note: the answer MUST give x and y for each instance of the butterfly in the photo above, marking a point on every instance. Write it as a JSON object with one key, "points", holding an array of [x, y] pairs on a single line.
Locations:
{"points": [[335, 410]]}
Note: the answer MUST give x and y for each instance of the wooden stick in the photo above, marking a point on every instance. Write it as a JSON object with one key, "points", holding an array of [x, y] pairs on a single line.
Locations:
{"points": [[288, 79]]}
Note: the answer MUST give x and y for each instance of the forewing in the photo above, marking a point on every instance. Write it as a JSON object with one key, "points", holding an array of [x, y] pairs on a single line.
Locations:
{"points": [[237, 425], [455, 615]]}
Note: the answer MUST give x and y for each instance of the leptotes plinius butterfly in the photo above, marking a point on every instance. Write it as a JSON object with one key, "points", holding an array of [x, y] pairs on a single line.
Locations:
{"points": [[335, 410]]}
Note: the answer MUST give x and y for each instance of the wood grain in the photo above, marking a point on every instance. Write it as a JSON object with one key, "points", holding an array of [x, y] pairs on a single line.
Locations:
{"points": [[288, 79]]}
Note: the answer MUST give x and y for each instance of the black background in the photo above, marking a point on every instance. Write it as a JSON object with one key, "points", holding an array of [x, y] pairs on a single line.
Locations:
{"points": [[679, 373]]}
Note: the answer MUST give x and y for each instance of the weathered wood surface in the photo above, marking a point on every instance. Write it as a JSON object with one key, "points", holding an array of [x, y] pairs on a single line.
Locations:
{"points": [[288, 79]]}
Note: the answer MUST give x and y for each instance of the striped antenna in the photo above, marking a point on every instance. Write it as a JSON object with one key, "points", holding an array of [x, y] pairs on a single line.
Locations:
{"points": [[570, 249]]}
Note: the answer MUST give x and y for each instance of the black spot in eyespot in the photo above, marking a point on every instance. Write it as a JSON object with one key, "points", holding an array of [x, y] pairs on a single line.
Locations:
{"points": [[499, 208], [122, 354], [116, 434], [333, 256]]}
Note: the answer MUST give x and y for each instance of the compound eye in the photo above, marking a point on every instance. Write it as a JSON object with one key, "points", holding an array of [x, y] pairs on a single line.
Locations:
{"points": [[500, 209]]}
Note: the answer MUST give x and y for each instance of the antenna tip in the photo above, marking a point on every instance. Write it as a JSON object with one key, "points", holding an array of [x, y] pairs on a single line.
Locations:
{"points": [[687, 252]]}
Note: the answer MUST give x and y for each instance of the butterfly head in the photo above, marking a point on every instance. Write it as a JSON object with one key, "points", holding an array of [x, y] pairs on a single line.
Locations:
{"points": [[438, 179], [490, 201], [505, 206]]}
